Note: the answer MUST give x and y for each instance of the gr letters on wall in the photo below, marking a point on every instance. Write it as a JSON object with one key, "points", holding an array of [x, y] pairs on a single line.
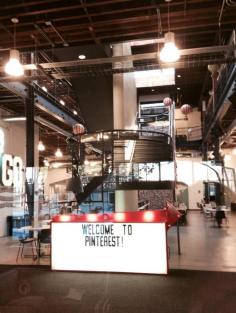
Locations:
{"points": [[11, 170]]}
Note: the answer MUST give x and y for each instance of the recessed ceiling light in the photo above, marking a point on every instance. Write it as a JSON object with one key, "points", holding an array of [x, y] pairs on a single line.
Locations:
{"points": [[15, 20], [153, 90], [178, 76], [75, 112], [82, 57], [178, 88], [62, 102], [44, 89]]}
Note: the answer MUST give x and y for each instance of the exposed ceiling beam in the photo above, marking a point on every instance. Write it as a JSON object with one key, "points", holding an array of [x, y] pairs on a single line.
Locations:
{"points": [[44, 103], [52, 126], [63, 8], [48, 107], [137, 57], [45, 36]]}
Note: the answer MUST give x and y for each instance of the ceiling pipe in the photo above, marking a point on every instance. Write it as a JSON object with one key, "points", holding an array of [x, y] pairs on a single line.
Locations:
{"points": [[49, 23], [221, 13], [145, 42], [42, 32], [52, 126]]}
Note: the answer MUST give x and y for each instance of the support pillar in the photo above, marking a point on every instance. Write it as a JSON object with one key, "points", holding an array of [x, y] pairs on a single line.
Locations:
{"points": [[214, 68], [30, 150], [124, 117]]}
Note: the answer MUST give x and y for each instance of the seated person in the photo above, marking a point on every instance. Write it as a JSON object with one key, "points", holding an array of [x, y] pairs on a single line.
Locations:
{"points": [[219, 216]]}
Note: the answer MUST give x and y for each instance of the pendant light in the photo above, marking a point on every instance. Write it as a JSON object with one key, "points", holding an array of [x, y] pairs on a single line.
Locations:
{"points": [[46, 163], [58, 152], [41, 146], [14, 67], [169, 53]]}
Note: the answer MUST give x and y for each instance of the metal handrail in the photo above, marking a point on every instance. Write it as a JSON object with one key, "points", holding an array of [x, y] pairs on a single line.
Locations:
{"points": [[119, 134]]}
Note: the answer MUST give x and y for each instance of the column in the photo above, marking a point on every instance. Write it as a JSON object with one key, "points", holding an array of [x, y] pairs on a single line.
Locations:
{"points": [[124, 117]]}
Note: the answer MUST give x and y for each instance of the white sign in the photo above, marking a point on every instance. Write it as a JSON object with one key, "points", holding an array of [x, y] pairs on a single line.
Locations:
{"points": [[112, 247], [12, 171]]}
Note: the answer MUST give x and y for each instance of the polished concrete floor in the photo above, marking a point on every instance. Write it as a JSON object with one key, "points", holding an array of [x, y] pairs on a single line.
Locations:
{"points": [[203, 246], [8, 253]]}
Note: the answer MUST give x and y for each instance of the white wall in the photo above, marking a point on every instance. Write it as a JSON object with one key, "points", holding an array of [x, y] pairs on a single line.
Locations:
{"points": [[54, 176], [15, 144], [192, 172], [126, 200], [230, 158], [193, 118], [190, 127]]}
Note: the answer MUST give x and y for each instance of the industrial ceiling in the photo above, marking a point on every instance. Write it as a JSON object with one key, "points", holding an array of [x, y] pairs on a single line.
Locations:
{"points": [[60, 30]]}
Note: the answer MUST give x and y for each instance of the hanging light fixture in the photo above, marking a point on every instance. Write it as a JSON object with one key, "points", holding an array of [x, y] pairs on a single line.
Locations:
{"points": [[46, 163], [186, 109], [41, 146], [169, 53], [58, 152], [14, 67]]}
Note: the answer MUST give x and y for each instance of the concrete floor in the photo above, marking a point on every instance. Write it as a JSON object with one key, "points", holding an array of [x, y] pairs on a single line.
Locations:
{"points": [[203, 246], [9, 249]]}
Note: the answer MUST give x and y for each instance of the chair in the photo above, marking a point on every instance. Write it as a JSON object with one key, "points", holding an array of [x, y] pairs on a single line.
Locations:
{"points": [[200, 206], [27, 241], [44, 238], [207, 210]]}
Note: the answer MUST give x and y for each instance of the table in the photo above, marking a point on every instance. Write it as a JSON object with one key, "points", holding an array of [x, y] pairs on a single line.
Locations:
{"points": [[221, 208], [37, 229], [214, 211]]}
